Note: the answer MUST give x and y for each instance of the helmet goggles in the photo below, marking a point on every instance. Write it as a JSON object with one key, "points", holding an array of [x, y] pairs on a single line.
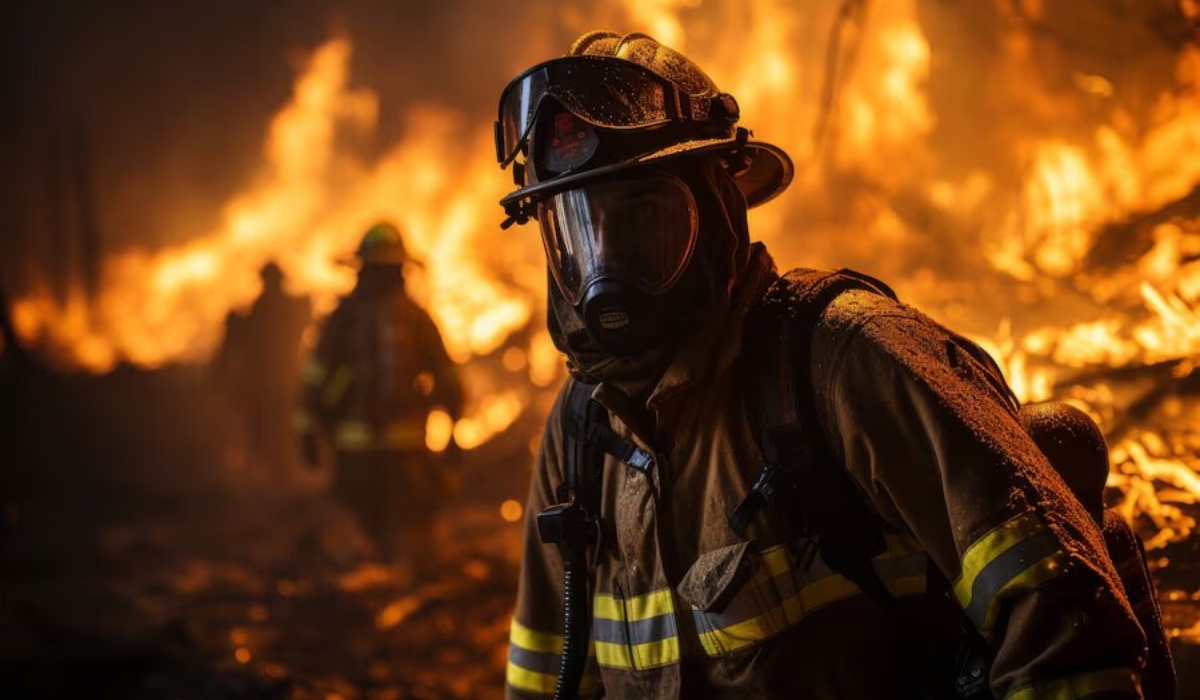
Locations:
{"points": [[641, 231], [606, 92]]}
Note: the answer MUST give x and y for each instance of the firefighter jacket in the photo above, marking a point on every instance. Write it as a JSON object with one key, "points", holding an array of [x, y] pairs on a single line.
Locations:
{"points": [[378, 369], [683, 607]]}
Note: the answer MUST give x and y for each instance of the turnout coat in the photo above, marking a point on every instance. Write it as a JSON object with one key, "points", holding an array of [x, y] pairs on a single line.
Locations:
{"points": [[976, 521]]}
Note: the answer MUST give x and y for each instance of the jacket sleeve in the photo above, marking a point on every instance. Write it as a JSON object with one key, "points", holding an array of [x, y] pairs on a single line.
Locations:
{"points": [[535, 637], [934, 442]]}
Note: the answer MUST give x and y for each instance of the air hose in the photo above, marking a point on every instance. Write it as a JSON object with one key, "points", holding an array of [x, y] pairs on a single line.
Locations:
{"points": [[569, 527]]}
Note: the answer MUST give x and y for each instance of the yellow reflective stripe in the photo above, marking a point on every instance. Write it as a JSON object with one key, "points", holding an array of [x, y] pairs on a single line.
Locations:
{"points": [[984, 550], [1018, 556], [357, 435], [662, 652], [313, 372], [530, 681], [901, 568], [336, 388], [1112, 680], [628, 612], [642, 607], [775, 560], [1038, 573], [526, 638], [613, 655], [530, 645], [543, 683], [657, 653], [351, 435]]}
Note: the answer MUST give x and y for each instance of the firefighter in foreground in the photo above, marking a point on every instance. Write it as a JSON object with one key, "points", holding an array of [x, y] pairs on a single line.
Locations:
{"points": [[765, 486], [258, 366], [378, 370]]}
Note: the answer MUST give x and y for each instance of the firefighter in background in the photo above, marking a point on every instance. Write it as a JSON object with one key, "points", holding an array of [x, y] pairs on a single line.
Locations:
{"points": [[767, 486], [378, 370], [258, 366]]}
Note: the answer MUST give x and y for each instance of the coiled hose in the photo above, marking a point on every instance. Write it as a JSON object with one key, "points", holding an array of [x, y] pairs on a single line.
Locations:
{"points": [[577, 622]]}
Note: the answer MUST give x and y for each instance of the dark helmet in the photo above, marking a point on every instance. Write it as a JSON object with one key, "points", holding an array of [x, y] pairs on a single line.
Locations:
{"points": [[650, 103], [616, 149], [271, 274], [382, 244]]}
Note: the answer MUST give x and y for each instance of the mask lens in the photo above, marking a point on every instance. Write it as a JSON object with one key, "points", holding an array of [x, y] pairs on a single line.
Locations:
{"points": [[640, 232]]}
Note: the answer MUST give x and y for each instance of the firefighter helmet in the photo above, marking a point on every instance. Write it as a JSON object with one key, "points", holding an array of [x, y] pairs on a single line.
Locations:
{"points": [[382, 244], [620, 102]]}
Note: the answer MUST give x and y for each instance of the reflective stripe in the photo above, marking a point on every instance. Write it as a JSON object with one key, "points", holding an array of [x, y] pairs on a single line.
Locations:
{"points": [[533, 659], [638, 632], [530, 681], [1016, 557], [313, 372], [635, 633], [641, 607], [529, 639], [750, 618], [1109, 683], [353, 435], [335, 388]]}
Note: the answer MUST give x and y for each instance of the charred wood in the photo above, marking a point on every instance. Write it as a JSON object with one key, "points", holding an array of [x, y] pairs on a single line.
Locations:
{"points": [[1120, 243]]}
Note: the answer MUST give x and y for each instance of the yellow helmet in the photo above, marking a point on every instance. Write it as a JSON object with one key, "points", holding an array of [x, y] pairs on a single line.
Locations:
{"points": [[382, 245]]}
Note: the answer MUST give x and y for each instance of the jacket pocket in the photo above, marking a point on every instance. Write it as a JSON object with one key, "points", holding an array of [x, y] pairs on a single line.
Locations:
{"points": [[739, 596], [715, 577]]}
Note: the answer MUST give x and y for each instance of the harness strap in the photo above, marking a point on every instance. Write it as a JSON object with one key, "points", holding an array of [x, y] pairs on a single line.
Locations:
{"points": [[800, 479], [586, 424]]}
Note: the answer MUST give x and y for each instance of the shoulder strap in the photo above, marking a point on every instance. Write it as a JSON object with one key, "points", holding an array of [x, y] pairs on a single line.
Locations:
{"points": [[800, 478], [587, 437]]}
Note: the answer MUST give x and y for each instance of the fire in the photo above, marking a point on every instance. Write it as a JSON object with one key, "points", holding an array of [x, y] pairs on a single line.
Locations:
{"points": [[310, 204], [1045, 204]]}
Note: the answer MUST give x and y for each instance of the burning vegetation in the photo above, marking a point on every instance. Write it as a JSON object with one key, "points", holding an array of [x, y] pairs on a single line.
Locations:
{"points": [[1024, 170]]}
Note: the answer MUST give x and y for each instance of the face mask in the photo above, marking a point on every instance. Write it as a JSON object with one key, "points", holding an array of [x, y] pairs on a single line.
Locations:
{"points": [[616, 251]]}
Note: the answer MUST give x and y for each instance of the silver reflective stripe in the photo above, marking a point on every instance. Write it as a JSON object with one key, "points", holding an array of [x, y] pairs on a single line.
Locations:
{"points": [[634, 632], [1013, 558], [536, 661], [1003, 570]]}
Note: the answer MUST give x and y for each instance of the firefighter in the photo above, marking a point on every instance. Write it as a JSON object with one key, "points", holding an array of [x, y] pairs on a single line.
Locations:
{"points": [[712, 569], [379, 368], [258, 365]]}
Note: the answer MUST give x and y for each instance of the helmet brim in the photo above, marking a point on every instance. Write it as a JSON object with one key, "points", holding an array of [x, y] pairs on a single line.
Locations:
{"points": [[358, 261], [768, 170]]}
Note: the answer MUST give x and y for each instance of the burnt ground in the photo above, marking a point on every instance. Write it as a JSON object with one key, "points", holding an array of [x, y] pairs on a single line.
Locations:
{"points": [[143, 557]]}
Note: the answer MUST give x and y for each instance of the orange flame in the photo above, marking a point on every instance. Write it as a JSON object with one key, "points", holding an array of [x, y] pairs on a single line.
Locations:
{"points": [[846, 92]]}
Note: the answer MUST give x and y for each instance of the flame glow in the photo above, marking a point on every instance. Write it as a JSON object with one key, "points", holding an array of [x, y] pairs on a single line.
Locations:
{"points": [[1044, 205]]}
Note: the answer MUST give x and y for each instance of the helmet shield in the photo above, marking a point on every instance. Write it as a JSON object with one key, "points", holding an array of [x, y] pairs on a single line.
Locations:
{"points": [[607, 92], [640, 232]]}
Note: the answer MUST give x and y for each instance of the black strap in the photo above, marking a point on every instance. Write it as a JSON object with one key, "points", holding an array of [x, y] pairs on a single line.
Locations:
{"points": [[800, 479], [586, 423]]}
